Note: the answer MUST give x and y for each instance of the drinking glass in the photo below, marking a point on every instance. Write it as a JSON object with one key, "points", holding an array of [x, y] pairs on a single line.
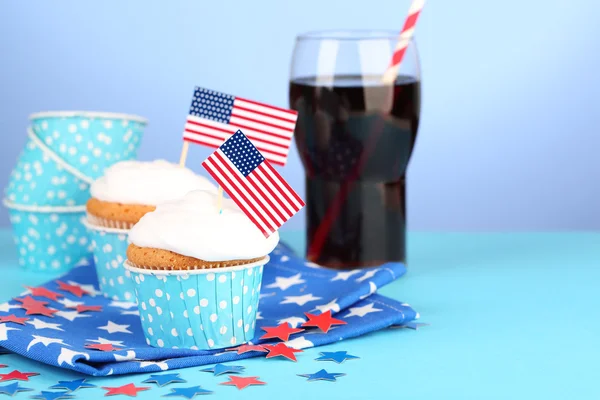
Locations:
{"points": [[355, 136]]}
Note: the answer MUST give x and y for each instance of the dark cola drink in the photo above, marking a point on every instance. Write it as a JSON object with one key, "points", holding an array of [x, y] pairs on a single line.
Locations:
{"points": [[355, 137]]}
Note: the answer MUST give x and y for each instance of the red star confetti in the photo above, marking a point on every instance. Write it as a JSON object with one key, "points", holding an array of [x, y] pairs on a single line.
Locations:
{"points": [[17, 376], [81, 309], [3, 366], [282, 332], [281, 350], [127, 390], [13, 318], [29, 301], [242, 382], [323, 321], [246, 348], [102, 347], [73, 289], [39, 310], [43, 292]]}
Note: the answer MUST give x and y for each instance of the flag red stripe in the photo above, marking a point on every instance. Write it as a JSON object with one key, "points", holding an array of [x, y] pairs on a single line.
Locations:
{"points": [[279, 187], [288, 187], [214, 146], [258, 121], [241, 205], [254, 177], [249, 136], [262, 113], [284, 204], [285, 110], [245, 128], [251, 192]]}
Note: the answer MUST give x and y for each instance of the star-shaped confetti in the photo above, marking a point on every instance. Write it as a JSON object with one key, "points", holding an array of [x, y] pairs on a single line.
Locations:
{"points": [[127, 390], [242, 382], [35, 307], [17, 376], [165, 379], [13, 388], [220, 369], [72, 386], [282, 332], [102, 347], [82, 309], [322, 321], [281, 350], [246, 348], [322, 375], [188, 393], [30, 301], [3, 366], [14, 319], [75, 290], [336, 356], [53, 395], [410, 325], [43, 292]]}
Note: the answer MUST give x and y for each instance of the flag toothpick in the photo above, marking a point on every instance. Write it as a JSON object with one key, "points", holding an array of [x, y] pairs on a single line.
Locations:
{"points": [[253, 184], [214, 117], [220, 201], [184, 152]]}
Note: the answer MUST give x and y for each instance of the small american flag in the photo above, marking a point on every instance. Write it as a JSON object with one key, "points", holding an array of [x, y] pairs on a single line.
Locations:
{"points": [[260, 192], [215, 116]]}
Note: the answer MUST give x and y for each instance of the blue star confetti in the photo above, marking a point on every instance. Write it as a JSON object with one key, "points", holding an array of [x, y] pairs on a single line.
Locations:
{"points": [[72, 386], [336, 356], [221, 369], [322, 375], [12, 389], [53, 396], [411, 325], [165, 379], [188, 393]]}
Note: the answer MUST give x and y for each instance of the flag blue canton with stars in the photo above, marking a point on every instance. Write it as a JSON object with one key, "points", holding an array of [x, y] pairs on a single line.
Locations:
{"points": [[291, 287], [242, 153], [211, 104]]}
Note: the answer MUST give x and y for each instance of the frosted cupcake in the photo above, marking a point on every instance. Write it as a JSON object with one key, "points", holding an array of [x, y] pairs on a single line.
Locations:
{"points": [[126, 192], [197, 272]]}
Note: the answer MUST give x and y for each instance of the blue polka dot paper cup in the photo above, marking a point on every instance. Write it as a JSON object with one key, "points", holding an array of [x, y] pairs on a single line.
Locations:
{"points": [[41, 178], [49, 239], [90, 141], [110, 247], [198, 309]]}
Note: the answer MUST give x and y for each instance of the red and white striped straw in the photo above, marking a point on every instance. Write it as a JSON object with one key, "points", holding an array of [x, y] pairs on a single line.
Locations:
{"points": [[406, 35]]}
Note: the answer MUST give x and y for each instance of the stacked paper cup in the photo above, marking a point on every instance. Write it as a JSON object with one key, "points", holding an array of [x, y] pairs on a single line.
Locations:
{"points": [[49, 186]]}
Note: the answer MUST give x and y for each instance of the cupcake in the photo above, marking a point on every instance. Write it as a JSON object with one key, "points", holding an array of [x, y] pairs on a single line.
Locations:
{"points": [[126, 192], [197, 268]]}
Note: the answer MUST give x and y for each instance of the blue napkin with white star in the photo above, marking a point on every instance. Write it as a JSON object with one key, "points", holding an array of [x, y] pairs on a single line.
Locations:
{"points": [[291, 287]]}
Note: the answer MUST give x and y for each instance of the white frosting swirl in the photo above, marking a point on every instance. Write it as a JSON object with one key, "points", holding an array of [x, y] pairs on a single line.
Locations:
{"points": [[147, 183], [192, 226]]}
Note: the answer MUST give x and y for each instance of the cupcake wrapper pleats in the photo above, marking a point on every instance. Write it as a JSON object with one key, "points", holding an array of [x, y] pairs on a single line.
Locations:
{"points": [[203, 309]]}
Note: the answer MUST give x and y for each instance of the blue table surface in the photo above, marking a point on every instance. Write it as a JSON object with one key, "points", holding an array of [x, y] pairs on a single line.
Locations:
{"points": [[513, 316]]}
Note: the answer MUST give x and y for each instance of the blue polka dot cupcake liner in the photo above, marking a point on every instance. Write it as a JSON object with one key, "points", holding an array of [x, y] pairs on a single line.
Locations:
{"points": [[89, 141], [42, 178], [198, 309], [109, 246], [49, 239]]}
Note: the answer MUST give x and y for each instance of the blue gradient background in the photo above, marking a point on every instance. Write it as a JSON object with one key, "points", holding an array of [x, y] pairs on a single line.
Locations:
{"points": [[509, 136]]}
